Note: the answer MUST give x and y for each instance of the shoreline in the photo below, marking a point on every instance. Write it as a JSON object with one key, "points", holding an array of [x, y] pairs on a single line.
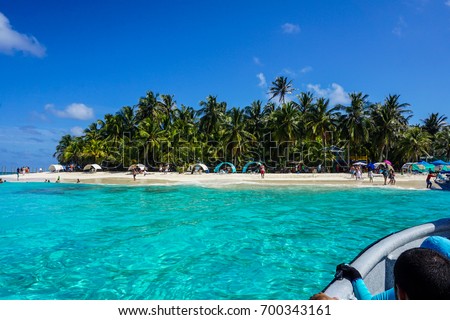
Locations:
{"points": [[416, 182]]}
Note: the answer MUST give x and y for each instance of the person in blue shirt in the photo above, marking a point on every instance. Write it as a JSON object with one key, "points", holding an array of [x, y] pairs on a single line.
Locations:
{"points": [[435, 243]]}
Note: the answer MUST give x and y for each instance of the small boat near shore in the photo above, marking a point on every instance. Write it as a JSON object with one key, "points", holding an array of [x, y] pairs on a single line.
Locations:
{"points": [[443, 182], [376, 262]]}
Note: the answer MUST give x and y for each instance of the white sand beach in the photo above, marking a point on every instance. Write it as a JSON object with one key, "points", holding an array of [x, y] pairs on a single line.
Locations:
{"points": [[217, 180]]}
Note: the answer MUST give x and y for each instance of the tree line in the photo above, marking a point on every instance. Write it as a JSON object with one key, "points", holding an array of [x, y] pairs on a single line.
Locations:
{"points": [[280, 131]]}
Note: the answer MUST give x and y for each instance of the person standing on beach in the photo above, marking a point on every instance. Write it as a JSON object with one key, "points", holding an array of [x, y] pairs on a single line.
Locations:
{"points": [[134, 174], [392, 176], [429, 176], [385, 175], [358, 173], [370, 175], [18, 174], [262, 170]]}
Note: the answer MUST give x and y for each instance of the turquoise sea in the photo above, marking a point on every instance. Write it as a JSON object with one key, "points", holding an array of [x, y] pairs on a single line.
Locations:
{"points": [[65, 241]]}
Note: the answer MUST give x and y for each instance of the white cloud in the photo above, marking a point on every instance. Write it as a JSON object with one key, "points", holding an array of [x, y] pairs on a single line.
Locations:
{"points": [[306, 69], [38, 116], [289, 73], [77, 111], [336, 93], [257, 61], [11, 40], [37, 146], [77, 131], [290, 28], [399, 28], [447, 3], [262, 80]]}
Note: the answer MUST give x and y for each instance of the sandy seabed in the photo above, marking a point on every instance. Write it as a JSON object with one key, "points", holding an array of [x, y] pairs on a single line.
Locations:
{"points": [[217, 180]]}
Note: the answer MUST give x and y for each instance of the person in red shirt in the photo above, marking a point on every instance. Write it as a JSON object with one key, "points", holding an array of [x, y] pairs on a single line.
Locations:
{"points": [[262, 170], [429, 176]]}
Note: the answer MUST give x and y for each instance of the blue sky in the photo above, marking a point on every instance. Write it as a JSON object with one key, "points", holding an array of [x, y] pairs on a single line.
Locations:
{"points": [[64, 64]]}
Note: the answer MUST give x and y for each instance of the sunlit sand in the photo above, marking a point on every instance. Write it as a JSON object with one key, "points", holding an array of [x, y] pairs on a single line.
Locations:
{"points": [[217, 180]]}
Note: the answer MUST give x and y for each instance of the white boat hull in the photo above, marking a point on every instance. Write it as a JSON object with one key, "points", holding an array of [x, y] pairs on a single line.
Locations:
{"points": [[376, 262]]}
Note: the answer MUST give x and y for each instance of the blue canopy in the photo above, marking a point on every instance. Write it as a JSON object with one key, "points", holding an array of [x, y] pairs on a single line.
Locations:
{"points": [[439, 163], [428, 166], [244, 170], [371, 166], [424, 163], [217, 168]]}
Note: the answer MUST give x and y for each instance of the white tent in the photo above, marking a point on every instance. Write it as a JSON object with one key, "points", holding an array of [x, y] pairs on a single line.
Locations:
{"points": [[92, 167], [197, 167], [203, 166], [55, 168]]}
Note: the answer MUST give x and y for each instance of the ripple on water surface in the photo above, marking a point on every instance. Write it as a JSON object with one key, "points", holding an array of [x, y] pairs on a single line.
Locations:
{"points": [[62, 241]]}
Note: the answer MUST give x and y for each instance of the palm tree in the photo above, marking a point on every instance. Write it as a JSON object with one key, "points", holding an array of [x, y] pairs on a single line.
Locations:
{"points": [[255, 120], [184, 122], [166, 107], [305, 101], [94, 150], [150, 137], [354, 123], [64, 142], [113, 127], [442, 143], [237, 137], [284, 122], [281, 87], [129, 120], [414, 143], [434, 123], [92, 132], [389, 120], [146, 107], [269, 108], [156, 122], [212, 115], [74, 151], [319, 119]]}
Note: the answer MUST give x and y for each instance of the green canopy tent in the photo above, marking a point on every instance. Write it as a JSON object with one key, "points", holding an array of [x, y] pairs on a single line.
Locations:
{"points": [[251, 163], [220, 165], [416, 167], [428, 166]]}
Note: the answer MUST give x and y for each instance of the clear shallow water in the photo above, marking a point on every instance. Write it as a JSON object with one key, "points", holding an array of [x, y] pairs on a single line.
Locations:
{"points": [[60, 241]]}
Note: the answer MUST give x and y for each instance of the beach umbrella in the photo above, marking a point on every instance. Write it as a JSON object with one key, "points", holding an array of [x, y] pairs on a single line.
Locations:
{"points": [[360, 163], [388, 162], [439, 163], [371, 166], [377, 164], [428, 166]]}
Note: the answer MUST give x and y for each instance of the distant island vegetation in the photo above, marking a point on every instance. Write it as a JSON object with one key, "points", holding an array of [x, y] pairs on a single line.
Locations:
{"points": [[280, 132]]}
